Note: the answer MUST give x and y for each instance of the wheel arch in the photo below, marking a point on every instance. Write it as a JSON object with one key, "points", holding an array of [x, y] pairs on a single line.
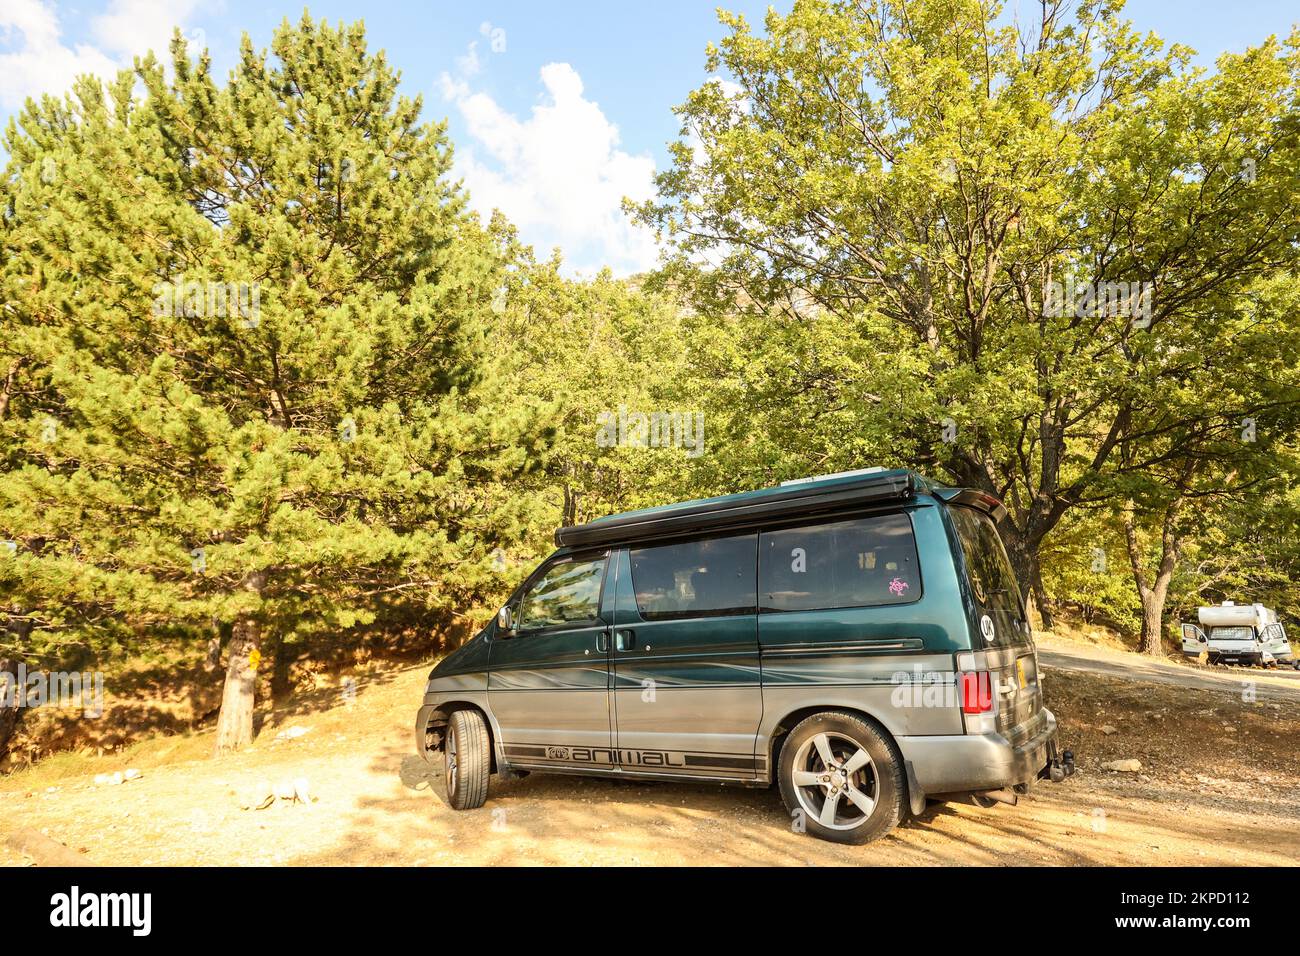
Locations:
{"points": [[781, 729], [435, 721]]}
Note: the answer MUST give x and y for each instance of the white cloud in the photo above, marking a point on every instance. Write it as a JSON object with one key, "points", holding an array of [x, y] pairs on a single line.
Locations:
{"points": [[558, 174], [130, 27], [36, 59], [469, 64], [39, 62]]}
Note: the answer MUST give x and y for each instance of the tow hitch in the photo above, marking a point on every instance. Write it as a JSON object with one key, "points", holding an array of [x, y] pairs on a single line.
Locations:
{"points": [[1060, 765]]}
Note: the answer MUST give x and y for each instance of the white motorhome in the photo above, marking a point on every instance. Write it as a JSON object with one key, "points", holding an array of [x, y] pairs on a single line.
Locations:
{"points": [[1231, 633]]}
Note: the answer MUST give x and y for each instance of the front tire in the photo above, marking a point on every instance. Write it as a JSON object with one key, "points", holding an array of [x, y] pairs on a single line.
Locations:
{"points": [[467, 760], [842, 777]]}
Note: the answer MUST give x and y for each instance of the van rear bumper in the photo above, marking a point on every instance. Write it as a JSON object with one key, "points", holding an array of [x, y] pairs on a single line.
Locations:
{"points": [[970, 762]]}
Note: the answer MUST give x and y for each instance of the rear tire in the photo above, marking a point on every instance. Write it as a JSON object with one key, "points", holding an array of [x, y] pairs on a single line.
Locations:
{"points": [[467, 760], [843, 778]]}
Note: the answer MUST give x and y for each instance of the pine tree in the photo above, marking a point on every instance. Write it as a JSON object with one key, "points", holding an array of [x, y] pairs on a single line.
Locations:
{"points": [[255, 314]]}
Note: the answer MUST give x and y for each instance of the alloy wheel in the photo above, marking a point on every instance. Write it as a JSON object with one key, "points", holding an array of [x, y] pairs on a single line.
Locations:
{"points": [[835, 781]]}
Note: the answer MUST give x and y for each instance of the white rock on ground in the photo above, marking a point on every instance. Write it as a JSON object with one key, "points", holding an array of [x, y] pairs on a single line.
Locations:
{"points": [[1123, 766]]}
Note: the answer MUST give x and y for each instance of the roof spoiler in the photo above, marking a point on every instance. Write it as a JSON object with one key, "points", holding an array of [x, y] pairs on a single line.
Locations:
{"points": [[991, 506], [692, 516]]}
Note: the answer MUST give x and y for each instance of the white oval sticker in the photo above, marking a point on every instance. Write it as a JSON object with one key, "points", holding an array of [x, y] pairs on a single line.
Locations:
{"points": [[986, 628]]}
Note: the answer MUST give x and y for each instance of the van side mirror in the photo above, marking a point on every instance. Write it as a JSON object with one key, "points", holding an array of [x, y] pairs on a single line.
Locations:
{"points": [[505, 621]]}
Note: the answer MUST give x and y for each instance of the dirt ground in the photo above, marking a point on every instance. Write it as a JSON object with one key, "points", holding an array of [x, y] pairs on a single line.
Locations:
{"points": [[1219, 785]]}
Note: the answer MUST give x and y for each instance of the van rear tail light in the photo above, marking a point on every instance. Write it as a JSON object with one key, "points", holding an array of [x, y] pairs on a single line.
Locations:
{"points": [[976, 692]]}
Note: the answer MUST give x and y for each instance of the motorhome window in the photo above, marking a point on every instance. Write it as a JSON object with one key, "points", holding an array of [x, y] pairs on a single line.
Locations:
{"points": [[855, 563], [1232, 633], [712, 577], [567, 592], [991, 576]]}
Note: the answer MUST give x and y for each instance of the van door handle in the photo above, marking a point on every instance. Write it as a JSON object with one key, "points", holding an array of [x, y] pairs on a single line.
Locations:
{"points": [[624, 640], [602, 642]]}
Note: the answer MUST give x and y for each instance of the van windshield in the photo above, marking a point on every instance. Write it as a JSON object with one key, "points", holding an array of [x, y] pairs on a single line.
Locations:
{"points": [[987, 565], [1232, 633]]}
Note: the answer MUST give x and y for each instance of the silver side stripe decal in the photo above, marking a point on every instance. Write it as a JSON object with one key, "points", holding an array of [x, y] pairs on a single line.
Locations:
{"points": [[879, 647]]}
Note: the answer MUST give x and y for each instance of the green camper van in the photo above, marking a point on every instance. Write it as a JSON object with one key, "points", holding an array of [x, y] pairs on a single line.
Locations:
{"points": [[859, 639]]}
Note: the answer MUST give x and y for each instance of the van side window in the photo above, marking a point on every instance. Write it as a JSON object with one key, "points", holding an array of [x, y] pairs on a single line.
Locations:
{"points": [[695, 579], [567, 592], [854, 563]]}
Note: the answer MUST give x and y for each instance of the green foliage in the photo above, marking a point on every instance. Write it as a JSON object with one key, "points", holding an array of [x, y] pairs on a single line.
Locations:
{"points": [[590, 351], [928, 179], [325, 449], [1085, 568]]}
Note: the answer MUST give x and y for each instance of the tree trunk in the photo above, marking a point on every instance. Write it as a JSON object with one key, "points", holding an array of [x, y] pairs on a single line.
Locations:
{"points": [[1024, 561], [9, 385], [1042, 600], [1153, 593], [1153, 612], [243, 654], [10, 717], [235, 722], [570, 515], [20, 632], [212, 660]]}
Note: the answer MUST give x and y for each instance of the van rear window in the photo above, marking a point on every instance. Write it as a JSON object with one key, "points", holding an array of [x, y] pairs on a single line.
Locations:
{"points": [[695, 578], [991, 576], [854, 563]]}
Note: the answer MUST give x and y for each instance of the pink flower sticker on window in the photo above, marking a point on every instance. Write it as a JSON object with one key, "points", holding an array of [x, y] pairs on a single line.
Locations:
{"points": [[898, 586]]}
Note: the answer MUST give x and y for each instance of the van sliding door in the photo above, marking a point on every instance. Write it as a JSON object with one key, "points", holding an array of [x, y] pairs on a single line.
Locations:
{"points": [[687, 696]]}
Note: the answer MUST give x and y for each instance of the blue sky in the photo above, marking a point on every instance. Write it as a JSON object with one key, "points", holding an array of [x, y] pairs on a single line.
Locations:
{"points": [[558, 109]]}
